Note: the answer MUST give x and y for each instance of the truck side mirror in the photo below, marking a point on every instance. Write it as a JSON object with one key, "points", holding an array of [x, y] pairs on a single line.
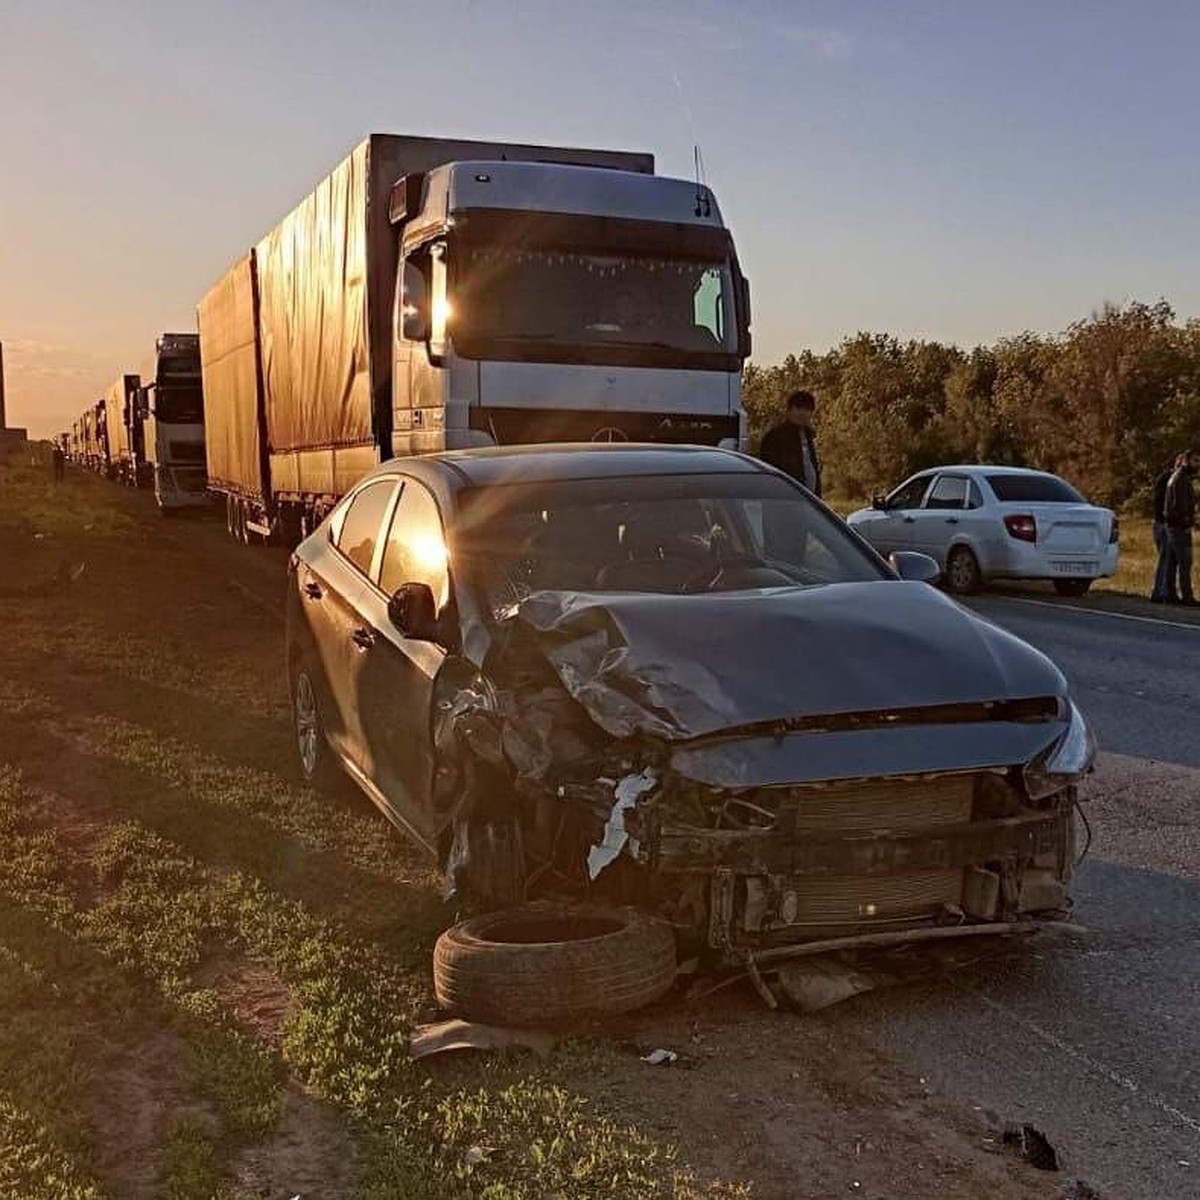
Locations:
{"points": [[413, 611], [414, 304]]}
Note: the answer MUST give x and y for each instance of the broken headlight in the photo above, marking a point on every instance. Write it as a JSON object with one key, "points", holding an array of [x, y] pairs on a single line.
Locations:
{"points": [[1068, 760]]}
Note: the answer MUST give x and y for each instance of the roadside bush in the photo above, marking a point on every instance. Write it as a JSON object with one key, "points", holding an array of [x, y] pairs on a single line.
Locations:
{"points": [[1106, 403]]}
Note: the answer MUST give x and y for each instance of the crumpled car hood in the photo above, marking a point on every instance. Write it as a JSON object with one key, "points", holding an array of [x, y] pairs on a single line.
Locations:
{"points": [[681, 667]]}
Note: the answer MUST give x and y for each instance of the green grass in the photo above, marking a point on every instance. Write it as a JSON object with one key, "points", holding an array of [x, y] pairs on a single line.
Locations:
{"points": [[184, 924]]}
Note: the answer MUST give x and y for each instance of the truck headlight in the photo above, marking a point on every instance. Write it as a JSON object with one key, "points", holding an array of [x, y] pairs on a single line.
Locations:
{"points": [[1068, 760]]}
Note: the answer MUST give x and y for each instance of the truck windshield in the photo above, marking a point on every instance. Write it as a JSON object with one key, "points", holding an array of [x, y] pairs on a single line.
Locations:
{"points": [[181, 403], [638, 307]]}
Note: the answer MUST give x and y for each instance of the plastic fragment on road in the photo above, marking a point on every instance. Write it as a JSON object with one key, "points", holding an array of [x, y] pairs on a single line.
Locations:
{"points": [[628, 792], [816, 983], [441, 1036], [660, 1058]]}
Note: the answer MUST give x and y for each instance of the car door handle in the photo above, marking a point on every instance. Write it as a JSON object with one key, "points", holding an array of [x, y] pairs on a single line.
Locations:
{"points": [[313, 591], [363, 638], [951, 520], [909, 520]]}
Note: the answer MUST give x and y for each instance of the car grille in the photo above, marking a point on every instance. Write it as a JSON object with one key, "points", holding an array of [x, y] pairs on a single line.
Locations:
{"points": [[843, 900], [875, 805], [774, 905]]}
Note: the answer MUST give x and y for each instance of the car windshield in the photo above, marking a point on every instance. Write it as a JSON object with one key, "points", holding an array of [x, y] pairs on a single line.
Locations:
{"points": [[666, 534], [1033, 489]]}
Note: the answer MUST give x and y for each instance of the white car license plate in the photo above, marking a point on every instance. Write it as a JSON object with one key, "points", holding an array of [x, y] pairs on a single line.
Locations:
{"points": [[1074, 568]]}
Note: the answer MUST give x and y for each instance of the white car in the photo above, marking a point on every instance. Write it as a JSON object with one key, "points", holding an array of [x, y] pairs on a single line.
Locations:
{"points": [[983, 523]]}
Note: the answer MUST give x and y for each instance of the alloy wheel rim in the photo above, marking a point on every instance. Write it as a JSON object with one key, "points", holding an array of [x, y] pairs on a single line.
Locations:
{"points": [[960, 571], [306, 723]]}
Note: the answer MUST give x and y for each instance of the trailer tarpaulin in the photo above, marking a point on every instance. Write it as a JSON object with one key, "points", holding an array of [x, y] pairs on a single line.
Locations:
{"points": [[230, 371], [117, 417], [312, 274]]}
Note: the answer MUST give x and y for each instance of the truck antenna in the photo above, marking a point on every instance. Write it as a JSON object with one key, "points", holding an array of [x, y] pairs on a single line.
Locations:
{"points": [[703, 204]]}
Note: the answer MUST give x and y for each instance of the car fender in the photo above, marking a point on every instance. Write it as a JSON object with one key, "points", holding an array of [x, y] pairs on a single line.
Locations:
{"points": [[972, 543]]}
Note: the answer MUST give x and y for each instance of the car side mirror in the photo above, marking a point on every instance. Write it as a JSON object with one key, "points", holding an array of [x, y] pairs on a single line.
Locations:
{"points": [[915, 568], [413, 611], [879, 504]]}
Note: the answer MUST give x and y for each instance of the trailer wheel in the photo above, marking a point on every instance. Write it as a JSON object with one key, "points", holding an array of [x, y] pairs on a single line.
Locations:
{"points": [[544, 962], [243, 522]]}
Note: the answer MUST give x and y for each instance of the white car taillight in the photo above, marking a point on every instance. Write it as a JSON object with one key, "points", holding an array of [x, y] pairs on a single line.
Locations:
{"points": [[1023, 528]]}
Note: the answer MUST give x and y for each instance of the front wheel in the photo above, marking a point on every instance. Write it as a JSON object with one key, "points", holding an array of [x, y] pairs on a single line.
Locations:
{"points": [[1072, 587], [317, 763], [963, 576]]}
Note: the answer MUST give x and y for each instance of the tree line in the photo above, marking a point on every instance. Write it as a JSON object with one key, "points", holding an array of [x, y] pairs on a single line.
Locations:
{"points": [[1104, 404]]}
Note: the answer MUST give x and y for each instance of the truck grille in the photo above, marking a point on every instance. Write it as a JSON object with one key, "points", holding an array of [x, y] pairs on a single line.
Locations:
{"points": [[187, 452]]}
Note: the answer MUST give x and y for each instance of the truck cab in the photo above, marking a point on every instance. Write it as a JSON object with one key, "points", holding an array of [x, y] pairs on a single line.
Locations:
{"points": [[171, 404], [540, 302]]}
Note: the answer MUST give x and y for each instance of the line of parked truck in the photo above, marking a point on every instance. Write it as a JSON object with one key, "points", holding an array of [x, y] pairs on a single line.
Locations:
{"points": [[147, 430], [436, 295]]}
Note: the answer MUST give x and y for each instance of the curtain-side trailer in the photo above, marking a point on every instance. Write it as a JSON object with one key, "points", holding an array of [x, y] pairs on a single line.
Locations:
{"points": [[435, 294]]}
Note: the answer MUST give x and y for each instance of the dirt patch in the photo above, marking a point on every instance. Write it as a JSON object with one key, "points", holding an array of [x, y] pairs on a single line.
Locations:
{"points": [[807, 1110], [252, 992], [137, 1094], [310, 1153]]}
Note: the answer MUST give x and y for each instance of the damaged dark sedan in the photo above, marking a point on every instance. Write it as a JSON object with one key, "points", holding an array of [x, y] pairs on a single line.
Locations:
{"points": [[667, 682]]}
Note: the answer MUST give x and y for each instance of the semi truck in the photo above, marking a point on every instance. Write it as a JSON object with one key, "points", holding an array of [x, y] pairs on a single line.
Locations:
{"points": [[123, 430], [95, 440], [170, 410], [434, 294]]}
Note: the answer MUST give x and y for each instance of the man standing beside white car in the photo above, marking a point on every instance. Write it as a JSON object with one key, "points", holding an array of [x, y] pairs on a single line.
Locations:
{"points": [[1179, 515]]}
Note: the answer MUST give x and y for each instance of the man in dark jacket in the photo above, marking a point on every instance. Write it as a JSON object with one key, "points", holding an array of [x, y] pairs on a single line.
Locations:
{"points": [[792, 446], [1164, 573], [1179, 516]]}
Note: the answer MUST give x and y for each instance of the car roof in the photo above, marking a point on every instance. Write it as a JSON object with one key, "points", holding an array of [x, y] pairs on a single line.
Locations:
{"points": [[551, 463], [981, 469]]}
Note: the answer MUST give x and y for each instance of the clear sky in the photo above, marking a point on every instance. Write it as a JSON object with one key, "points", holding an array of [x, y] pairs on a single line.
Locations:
{"points": [[958, 170]]}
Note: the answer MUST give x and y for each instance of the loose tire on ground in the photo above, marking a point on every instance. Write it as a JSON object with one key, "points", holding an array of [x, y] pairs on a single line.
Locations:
{"points": [[1072, 587], [963, 576], [542, 963]]}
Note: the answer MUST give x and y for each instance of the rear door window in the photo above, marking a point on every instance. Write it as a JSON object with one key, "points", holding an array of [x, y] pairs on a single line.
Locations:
{"points": [[362, 525]]}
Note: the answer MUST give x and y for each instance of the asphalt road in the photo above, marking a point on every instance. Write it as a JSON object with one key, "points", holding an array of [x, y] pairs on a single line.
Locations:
{"points": [[1095, 1038], [1138, 680]]}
